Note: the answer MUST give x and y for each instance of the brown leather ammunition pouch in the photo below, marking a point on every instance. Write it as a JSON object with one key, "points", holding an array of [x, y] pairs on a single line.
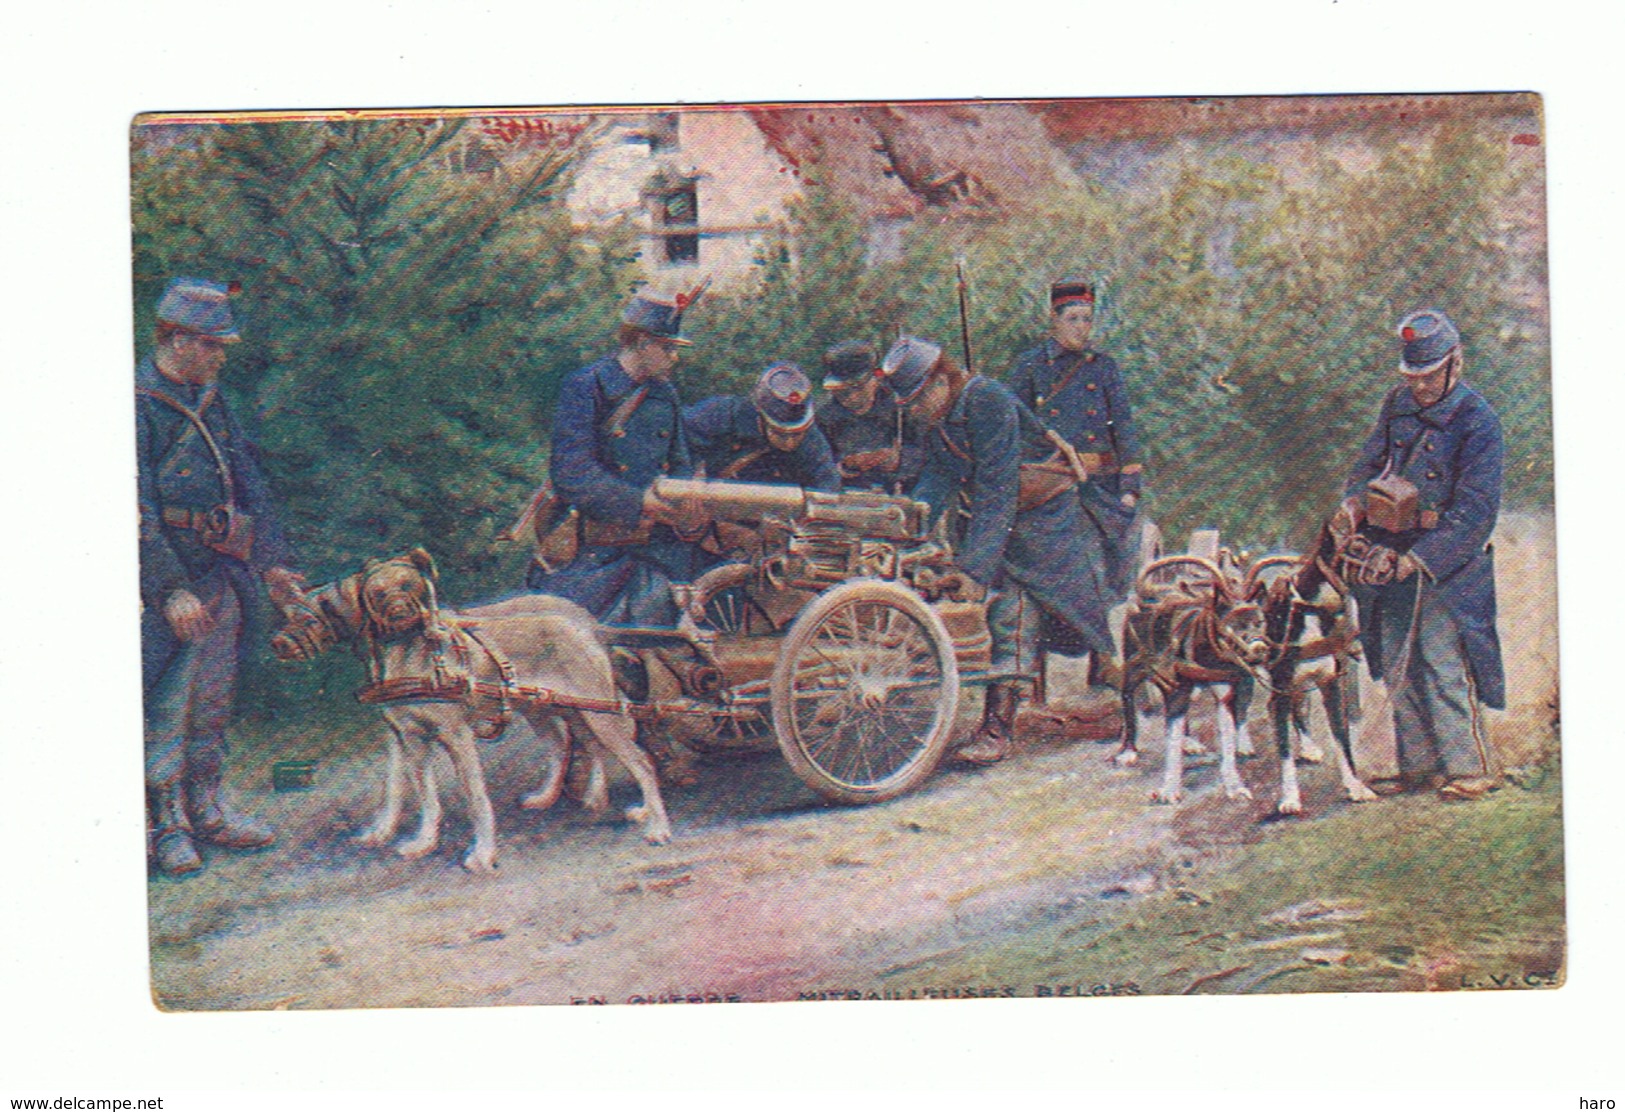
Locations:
{"points": [[1099, 463], [1393, 503], [609, 534], [224, 529], [557, 545], [1041, 482], [887, 460], [229, 532]]}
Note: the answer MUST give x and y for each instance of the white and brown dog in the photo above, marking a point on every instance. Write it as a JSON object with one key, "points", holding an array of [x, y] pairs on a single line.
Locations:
{"points": [[442, 679]]}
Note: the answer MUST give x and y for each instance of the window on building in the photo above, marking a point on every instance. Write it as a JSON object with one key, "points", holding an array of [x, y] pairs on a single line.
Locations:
{"points": [[675, 206], [470, 157], [660, 129]]}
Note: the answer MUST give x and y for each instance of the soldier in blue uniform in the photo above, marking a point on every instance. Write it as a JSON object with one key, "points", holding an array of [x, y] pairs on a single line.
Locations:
{"points": [[875, 446], [209, 539], [1079, 392], [766, 438], [1425, 493], [1023, 540], [617, 428]]}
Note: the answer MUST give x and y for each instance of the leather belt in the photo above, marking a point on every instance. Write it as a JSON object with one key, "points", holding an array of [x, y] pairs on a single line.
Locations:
{"points": [[607, 534], [186, 519]]}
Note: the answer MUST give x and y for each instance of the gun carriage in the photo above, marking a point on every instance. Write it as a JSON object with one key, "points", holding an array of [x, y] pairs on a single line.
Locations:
{"points": [[836, 629]]}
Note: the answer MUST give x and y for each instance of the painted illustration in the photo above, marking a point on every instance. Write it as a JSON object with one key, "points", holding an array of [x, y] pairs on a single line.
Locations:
{"points": [[847, 551]]}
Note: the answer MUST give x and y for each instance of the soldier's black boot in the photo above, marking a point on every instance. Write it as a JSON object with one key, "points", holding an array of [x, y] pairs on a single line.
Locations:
{"points": [[994, 739], [170, 843], [212, 820]]}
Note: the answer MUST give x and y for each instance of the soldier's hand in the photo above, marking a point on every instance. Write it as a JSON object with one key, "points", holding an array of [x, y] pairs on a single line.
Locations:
{"points": [[691, 518], [187, 615], [1381, 565], [1352, 511], [658, 509], [1130, 500], [284, 586], [961, 587], [1406, 567]]}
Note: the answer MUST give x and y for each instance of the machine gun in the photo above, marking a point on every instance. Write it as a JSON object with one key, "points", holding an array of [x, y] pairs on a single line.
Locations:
{"points": [[811, 540]]}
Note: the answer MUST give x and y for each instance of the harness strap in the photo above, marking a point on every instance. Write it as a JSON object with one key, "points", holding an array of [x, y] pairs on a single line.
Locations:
{"points": [[493, 727], [616, 425], [459, 689], [948, 442], [1065, 379], [733, 470], [196, 418]]}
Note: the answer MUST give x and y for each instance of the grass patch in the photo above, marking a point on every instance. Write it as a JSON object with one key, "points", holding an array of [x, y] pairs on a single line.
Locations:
{"points": [[1405, 895]]}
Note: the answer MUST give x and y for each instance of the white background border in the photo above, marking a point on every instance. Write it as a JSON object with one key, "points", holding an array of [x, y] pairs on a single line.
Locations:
{"points": [[73, 953]]}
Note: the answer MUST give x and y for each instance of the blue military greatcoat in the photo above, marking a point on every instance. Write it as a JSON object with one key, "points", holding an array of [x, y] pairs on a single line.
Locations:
{"points": [[1452, 450], [972, 471], [882, 427], [179, 481], [723, 431], [601, 466], [1081, 396]]}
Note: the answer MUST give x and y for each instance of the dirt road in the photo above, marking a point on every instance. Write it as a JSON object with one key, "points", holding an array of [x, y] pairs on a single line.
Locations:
{"points": [[764, 894]]}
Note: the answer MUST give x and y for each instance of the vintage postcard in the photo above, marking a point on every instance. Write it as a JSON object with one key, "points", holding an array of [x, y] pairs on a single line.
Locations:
{"points": [[847, 551]]}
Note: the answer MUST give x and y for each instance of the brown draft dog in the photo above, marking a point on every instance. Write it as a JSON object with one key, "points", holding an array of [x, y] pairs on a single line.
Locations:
{"points": [[1180, 638], [390, 612]]}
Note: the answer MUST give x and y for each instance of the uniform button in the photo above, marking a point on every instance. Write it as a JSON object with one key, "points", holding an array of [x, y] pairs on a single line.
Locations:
{"points": [[665, 467], [1039, 400], [1055, 413], [618, 433], [184, 472], [1091, 386], [1091, 436], [1093, 412], [623, 467], [1433, 474], [1428, 447]]}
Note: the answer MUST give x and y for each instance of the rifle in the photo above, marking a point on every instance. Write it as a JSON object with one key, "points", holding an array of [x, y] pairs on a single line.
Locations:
{"points": [[964, 312], [526, 521]]}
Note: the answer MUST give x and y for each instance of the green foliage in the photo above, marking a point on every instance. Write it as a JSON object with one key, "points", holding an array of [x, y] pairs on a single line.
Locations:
{"points": [[1253, 316], [406, 326]]}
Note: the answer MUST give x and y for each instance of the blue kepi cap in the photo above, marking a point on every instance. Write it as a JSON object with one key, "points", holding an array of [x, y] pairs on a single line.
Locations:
{"points": [[200, 307], [1428, 337], [783, 396], [848, 363], [907, 366], [663, 319]]}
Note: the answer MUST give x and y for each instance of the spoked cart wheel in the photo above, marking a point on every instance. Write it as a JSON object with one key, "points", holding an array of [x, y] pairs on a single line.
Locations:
{"points": [[724, 606], [1175, 574], [865, 692]]}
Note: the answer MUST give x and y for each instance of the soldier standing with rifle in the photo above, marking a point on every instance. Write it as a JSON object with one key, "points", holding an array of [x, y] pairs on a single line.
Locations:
{"points": [[606, 540], [1078, 392], [208, 539], [875, 448], [1016, 526]]}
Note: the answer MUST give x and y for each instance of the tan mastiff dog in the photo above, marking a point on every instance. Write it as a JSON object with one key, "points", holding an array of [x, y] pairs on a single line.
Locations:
{"points": [[419, 653]]}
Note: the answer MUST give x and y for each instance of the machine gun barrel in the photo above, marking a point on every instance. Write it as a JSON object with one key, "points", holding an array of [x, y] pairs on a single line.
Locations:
{"points": [[733, 501], [857, 514]]}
